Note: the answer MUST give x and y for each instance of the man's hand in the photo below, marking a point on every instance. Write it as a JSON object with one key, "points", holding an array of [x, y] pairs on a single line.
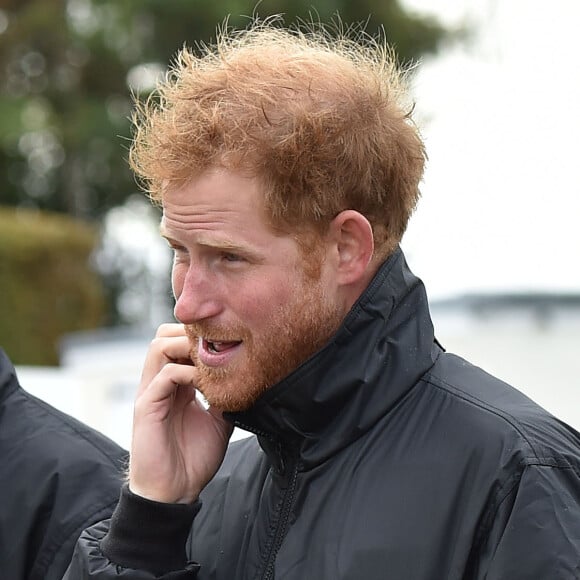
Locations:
{"points": [[178, 445]]}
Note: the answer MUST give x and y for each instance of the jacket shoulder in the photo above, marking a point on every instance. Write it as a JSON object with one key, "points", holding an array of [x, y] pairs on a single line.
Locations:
{"points": [[67, 474], [491, 409]]}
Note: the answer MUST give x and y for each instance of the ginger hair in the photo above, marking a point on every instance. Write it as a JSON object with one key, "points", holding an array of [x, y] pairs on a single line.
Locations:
{"points": [[322, 122]]}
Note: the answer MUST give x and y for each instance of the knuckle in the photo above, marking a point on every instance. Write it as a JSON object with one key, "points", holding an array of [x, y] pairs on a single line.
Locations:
{"points": [[168, 371], [157, 343], [167, 329]]}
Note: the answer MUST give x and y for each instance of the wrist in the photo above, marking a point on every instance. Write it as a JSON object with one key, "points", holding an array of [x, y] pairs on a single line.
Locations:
{"points": [[149, 535], [162, 497]]}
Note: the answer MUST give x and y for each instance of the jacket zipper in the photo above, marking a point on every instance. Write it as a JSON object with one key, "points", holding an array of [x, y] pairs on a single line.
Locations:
{"points": [[287, 502], [282, 525]]}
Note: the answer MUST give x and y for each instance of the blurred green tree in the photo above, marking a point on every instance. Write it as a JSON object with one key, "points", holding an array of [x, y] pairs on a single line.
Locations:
{"points": [[65, 67]]}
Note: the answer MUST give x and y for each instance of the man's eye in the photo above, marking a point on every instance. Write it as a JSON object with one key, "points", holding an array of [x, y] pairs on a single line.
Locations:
{"points": [[178, 250], [229, 257]]}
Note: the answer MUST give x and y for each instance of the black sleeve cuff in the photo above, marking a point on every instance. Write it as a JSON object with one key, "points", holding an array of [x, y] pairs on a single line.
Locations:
{"points": [[148, 535]]}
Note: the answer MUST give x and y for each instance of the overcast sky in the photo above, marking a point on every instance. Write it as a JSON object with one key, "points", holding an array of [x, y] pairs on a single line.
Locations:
{"points": [[500, 114]]}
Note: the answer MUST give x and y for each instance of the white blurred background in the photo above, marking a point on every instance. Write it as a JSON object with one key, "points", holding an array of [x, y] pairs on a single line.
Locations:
{"points": [[500, 114]]}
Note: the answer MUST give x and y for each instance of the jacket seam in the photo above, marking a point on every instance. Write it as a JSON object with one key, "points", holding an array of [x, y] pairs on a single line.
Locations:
{"points": [[510, 487], [64, 419], [452, 390], [511, 484]]}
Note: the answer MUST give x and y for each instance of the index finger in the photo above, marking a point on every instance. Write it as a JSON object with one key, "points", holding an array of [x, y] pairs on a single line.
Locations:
{"points": [[162, 351], [170, 329]]}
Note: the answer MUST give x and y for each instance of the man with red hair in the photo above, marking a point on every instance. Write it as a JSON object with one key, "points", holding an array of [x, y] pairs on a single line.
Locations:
{"points": [[287, 167]]}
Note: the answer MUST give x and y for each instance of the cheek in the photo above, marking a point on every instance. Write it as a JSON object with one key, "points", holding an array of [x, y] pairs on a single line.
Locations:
{"points": [[261, 304]]}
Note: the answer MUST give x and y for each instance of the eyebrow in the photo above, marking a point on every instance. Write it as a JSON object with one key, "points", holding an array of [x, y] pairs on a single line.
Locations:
{"points": [[210, 242]]}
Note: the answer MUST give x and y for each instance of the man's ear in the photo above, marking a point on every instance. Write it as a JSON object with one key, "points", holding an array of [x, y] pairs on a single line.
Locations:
{"points": [[352, 237]]}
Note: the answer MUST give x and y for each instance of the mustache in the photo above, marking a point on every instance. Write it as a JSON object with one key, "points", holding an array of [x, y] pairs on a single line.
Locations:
{"points": [[217, 332]]}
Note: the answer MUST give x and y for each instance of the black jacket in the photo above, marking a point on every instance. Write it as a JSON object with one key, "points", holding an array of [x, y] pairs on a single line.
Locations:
{"points": [[57, 477], [381, 457]]}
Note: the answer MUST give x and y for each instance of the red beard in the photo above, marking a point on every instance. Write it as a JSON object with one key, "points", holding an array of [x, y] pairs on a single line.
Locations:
{"points": [[294, 332]]}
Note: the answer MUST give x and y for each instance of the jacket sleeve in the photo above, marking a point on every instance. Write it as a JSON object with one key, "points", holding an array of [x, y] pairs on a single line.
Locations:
{"points": [[143, 540], [541, 535]]}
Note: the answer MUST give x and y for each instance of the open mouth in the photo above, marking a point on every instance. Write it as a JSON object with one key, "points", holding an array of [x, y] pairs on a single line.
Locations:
{"points": [[217, 353], [220, 346]]}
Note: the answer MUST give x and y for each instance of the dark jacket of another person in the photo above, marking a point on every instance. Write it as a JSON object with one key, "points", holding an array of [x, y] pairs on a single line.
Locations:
{"points": [[380, 458], [57, 476]]}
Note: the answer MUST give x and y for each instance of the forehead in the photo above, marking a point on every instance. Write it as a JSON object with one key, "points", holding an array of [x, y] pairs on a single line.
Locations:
{"points": [[217, 201]]}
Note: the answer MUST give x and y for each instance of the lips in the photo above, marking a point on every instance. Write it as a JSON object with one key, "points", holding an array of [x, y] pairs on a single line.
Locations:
{"points": [[217, 353]]}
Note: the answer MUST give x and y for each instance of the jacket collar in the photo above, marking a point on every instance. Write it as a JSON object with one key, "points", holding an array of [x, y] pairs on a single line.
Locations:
{"points": [[384, 345]]}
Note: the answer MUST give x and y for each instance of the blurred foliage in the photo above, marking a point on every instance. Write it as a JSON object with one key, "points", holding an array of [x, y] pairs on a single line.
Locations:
{"points": [[67, 70], [47, 287], [64, 72]]}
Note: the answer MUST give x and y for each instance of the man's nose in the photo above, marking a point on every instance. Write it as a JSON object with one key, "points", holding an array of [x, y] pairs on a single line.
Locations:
{"points": [[198, 299]]}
